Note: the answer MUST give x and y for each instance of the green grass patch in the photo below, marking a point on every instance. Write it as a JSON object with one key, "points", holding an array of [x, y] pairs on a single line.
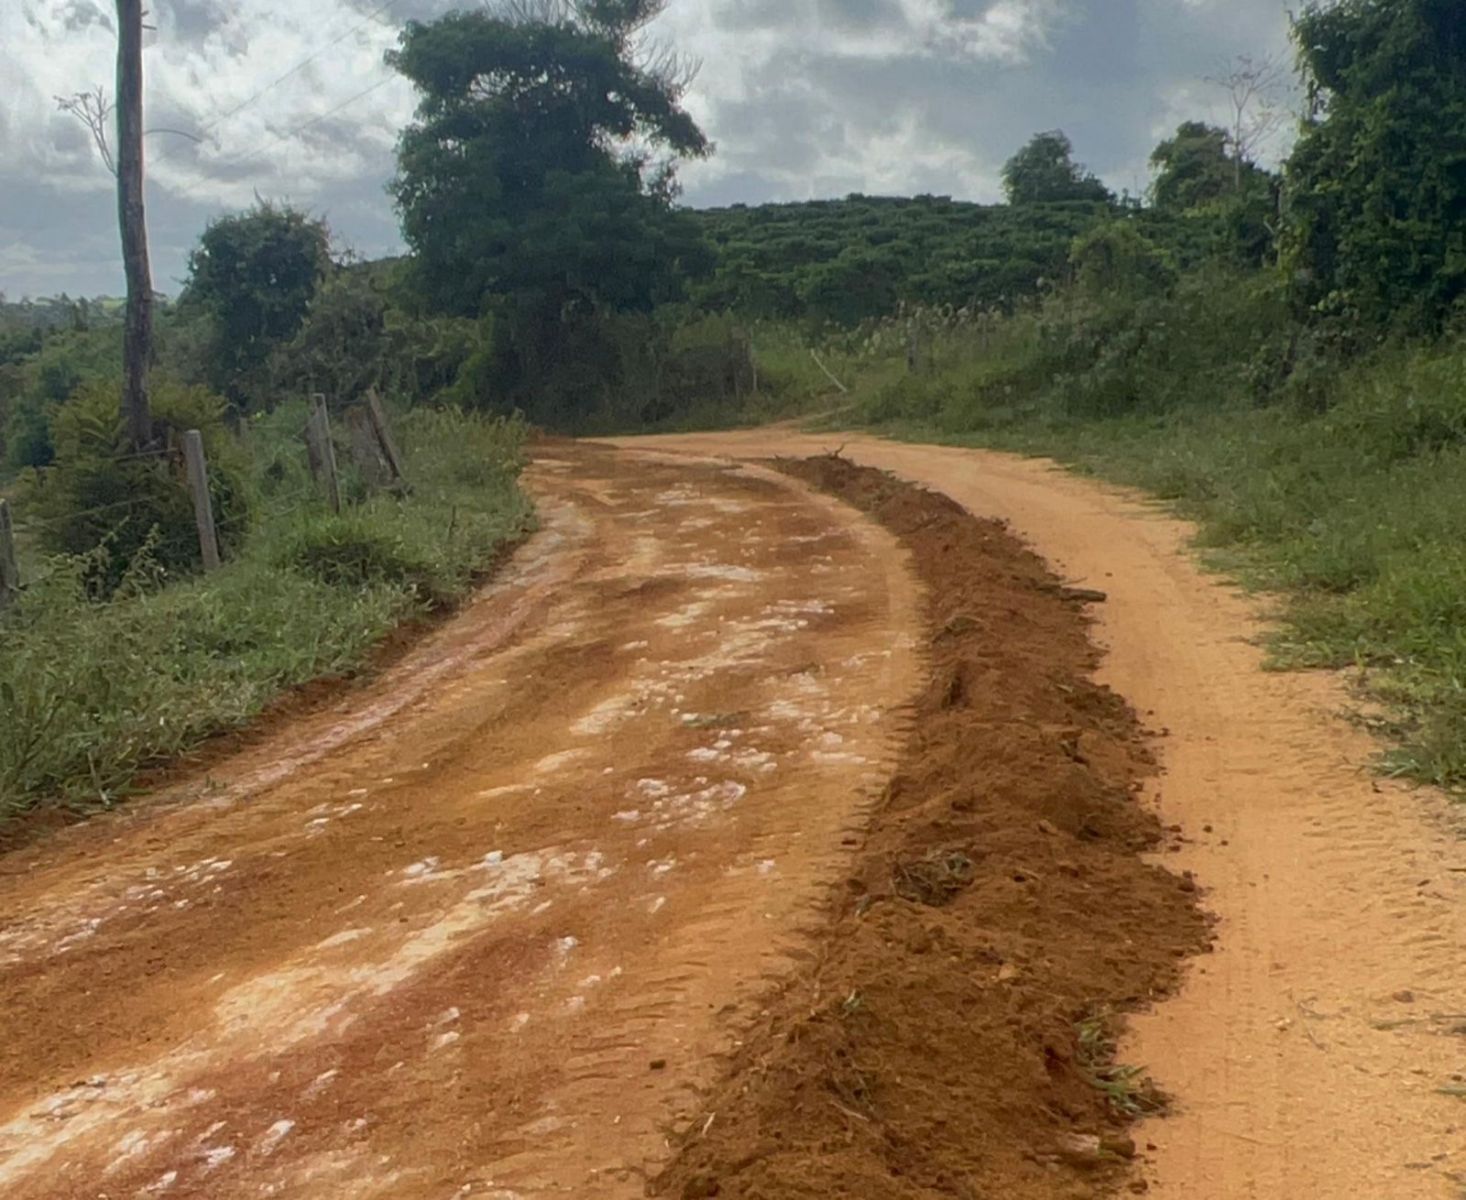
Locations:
{"points": [[1342, 491], [92, 693]]}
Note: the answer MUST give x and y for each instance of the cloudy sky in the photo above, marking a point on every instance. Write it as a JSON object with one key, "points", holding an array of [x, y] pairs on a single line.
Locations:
{"points": [[805, 98]]}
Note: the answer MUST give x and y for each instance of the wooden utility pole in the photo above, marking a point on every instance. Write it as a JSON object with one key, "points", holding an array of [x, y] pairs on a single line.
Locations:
{"points": [[137, 337]]}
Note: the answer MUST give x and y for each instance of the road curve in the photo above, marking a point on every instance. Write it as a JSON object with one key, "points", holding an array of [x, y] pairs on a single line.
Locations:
{"points": [[475, 929], [1320, 1051]]}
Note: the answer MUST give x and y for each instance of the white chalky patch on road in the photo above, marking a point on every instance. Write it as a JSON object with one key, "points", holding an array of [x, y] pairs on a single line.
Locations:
{"points": [[686, 616], [344, 938], [271, 1013], [276, 1134], [723, 571], [216, 1156], [604, 717], [552, 763], [507, 790]]}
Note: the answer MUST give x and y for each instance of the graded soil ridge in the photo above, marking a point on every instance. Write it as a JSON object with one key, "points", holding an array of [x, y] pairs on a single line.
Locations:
{"points": [[952, 1039]]}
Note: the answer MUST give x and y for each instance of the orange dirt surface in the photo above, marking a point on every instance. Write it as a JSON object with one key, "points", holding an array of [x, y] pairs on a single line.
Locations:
{"points": [[1320, 1052], [482, 927], [999, 908]]}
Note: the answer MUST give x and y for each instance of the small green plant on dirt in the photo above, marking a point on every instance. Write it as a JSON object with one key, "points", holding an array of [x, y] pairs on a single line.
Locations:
{"points": [[1127, 1089]]}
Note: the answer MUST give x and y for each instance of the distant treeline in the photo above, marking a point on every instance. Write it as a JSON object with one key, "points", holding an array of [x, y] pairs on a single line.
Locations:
{"points": [[852, 260]]}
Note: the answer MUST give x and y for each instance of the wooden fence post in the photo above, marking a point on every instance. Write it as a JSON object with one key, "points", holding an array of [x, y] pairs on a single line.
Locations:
{"points": [[9, 571], [366, 448], [322, 450], [203, 506], [384, 435]]}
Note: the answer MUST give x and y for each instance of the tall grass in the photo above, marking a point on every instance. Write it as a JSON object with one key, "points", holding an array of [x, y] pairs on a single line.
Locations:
{"points": [[92, 693], [1340, 485]]}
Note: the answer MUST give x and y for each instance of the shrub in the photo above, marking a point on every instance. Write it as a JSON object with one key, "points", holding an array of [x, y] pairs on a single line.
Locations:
{"points": [[99, 495], [354, 551]]}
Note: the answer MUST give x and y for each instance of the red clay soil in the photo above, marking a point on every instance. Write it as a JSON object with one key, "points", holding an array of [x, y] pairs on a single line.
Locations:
{"points": [[950, 1040]]}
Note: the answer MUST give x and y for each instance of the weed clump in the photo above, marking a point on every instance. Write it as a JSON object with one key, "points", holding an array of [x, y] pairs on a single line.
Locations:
{"points": [[935, 880], [351, 551]]}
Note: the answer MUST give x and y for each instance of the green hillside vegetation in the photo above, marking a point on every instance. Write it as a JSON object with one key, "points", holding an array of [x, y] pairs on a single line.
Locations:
{"points": [[1309, 412], [843, 262]]}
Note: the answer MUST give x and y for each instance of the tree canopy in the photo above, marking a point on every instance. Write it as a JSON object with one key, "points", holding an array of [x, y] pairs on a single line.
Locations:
{"points": [[1045, 172], [541, 162], [1200, 171], [1193, 168], [1376, 225], [536, 185], [254, 275]]}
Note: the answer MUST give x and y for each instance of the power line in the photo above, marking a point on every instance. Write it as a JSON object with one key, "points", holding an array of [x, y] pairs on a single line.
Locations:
{"points": [[277, 139], [298, 67]]}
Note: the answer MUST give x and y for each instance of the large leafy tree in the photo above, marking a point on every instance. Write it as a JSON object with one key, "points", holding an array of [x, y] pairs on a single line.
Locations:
{"points": [[1044, 172], [536, 184], [1376, 227], [1202, 172], [1193, 168], [254, 275]]}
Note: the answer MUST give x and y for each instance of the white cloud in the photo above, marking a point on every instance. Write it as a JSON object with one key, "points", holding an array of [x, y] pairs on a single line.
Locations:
{"points": [[1006, 31], [803, 97]]}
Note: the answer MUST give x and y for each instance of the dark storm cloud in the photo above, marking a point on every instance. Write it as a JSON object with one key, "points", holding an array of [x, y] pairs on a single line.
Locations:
{"points": [[803, 98]]}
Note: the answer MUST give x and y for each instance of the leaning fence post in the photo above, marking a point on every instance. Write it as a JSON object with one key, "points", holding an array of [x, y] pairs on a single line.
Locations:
{"points": [[384, 435], [9, 571], [322, 450], [203, 506]]}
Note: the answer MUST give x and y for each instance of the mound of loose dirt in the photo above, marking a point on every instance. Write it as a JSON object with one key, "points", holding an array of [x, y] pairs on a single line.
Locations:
{"points": [[951, 1040]]}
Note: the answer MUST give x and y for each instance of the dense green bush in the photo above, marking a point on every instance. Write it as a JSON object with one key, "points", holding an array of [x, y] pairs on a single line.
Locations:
{"points": [[354, 551], [363, 331], [99, 495], [845, 262]]}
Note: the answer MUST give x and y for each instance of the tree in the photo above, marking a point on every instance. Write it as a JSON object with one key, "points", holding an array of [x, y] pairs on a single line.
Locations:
{"points": [[1044, 172], [1198, 174], [137, 345], [1252, 86], [1193, 168], [254, 275], [536, 184], [1375, 223]]}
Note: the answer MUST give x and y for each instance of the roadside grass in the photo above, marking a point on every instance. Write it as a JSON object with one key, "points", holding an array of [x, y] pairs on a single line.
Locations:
{"points": [[93, 693], [1347, 501]]}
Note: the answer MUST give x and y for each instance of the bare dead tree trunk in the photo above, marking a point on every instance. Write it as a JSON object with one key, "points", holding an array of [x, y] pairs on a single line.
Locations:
{"points": [[137, 338]]}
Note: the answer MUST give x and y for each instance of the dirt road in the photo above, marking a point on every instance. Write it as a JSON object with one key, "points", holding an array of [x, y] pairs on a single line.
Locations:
{"points": [[1321, 1051], [481, 928], [471, 932]]}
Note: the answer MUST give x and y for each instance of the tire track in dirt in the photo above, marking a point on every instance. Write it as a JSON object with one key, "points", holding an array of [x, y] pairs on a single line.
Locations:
{"points": [[1316, 1053], [483, 927]]}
